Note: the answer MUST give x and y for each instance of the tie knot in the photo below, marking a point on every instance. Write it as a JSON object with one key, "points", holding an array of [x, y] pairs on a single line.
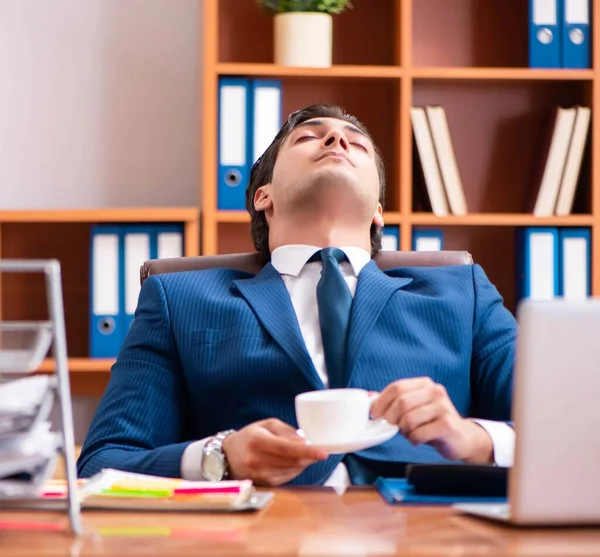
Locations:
{"points": [[325, 253]]}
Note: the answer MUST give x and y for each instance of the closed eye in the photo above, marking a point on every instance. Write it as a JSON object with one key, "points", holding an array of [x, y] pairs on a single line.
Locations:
{"points": [[360, 146], [305, 137]]}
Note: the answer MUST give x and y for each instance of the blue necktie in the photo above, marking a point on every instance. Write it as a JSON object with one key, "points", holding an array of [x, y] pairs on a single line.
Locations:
{"points": [[335, 302]]}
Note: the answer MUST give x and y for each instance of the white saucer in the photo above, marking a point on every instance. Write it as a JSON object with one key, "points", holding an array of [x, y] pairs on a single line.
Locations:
{"points": [[377, 432]]}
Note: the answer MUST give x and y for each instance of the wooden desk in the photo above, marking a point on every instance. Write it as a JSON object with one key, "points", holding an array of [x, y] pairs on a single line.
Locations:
{"points": [[298, 522]]}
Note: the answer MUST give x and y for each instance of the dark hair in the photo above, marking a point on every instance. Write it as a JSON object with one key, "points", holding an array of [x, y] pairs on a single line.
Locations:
{"points": [[262, 172]]}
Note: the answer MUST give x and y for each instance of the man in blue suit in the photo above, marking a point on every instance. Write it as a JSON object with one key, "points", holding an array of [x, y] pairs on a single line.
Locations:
{"points": [[204, 385]]}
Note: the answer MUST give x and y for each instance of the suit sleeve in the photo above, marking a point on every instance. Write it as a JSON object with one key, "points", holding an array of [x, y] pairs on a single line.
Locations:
{"points": [[140, 422], [492, 362]]}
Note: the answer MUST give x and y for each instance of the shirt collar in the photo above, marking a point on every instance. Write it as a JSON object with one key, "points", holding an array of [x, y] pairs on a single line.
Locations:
{"points": [[290, 259]]}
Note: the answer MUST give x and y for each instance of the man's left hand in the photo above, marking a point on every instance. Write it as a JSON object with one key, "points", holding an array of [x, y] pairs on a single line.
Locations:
{"points": [[425, 414]]}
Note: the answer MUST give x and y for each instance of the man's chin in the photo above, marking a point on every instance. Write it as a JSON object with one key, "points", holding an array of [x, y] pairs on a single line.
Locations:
{"points": [[335, 175], [332, 186]]}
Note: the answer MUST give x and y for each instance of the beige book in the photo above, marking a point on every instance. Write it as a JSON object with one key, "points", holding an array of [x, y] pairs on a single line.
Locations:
{"points": [[442, 141], [572, 168], [555, 157], [429, 163]]}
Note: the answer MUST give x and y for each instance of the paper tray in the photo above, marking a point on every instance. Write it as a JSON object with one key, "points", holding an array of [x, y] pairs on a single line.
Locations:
{"points": [[23, 346]]}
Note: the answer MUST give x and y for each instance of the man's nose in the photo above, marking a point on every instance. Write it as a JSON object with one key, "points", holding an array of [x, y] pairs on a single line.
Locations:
{"points": [[336, 137]]}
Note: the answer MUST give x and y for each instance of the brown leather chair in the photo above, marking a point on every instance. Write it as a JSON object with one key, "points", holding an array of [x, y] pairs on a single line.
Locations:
{"points": [[253, 262]]}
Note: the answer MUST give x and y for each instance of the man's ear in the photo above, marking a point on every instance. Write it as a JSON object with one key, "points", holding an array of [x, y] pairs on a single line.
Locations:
{"points": [[262, 198], [378, 216]]}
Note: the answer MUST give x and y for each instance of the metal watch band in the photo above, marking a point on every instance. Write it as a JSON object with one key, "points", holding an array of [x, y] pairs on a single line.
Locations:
{"points": [[216, 444]]}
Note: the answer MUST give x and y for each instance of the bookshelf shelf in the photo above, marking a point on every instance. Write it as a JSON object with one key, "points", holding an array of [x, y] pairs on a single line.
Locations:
{"points": [[232, 216], [79, 365], [390, 217], [144, 214], [499, 219], [345, 71], [501, 74], [242, 32]]}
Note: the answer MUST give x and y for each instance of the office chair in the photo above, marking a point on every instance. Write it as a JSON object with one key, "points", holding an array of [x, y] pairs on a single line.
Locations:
{"points": [[253, 262]]}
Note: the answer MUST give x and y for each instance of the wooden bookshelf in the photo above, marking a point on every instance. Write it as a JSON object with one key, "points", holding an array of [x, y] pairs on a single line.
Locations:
{"points": [[187, 215], [499, 219], [471, 58], [79, 365], [272, 70], [500, 74], [64, 234]]}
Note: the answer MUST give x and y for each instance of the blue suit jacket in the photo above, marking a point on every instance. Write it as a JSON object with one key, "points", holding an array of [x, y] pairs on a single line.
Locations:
{"points": [[217, 349]]}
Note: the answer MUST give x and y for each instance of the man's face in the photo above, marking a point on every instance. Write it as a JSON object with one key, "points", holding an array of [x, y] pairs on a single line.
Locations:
{"points": [[324, 161]]}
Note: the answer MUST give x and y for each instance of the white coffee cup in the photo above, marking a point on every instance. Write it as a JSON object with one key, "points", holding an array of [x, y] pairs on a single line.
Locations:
{"points": [[334, 415]]}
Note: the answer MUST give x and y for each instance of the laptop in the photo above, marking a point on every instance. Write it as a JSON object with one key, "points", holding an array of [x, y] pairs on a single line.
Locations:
{"points": [[555, 477]]}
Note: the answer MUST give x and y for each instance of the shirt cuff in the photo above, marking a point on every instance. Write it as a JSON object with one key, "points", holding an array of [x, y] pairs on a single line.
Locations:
{"points": [[191, 461], [503, 441]]}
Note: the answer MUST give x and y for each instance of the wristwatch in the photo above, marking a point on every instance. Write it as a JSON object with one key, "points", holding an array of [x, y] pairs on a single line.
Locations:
{"points": [[214, 461]]}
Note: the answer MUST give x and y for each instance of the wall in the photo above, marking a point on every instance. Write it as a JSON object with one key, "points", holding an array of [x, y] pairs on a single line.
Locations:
{"points": [[100, 102], [99, 107]]}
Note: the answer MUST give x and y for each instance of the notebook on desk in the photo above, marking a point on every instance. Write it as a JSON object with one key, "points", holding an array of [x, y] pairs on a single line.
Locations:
{"points": [[446, 483], [398, 491]]}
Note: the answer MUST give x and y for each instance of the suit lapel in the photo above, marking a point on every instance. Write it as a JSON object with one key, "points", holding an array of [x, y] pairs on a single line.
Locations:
{"points": [[373, 290], [267, 295]]}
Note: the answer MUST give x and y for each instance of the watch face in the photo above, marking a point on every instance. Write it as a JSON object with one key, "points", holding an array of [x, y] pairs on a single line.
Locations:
{"points": [[213, 467]]}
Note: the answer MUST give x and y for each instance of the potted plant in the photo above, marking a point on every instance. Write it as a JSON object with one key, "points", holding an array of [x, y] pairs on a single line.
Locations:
{"points": [[303, 30]]}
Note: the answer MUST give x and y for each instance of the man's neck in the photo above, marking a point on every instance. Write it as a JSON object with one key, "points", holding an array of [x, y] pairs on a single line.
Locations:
{"points": [[319, 234]]}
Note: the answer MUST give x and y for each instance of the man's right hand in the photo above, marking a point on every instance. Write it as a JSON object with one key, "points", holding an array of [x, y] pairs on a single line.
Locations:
{"points": [[268, 452]]}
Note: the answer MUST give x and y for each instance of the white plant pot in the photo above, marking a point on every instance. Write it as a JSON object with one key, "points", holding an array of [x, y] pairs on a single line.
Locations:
{"points": [[303, 39]]}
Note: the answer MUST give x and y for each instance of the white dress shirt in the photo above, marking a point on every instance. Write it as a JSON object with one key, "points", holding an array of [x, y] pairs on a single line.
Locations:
{"points": [[301, 280]]}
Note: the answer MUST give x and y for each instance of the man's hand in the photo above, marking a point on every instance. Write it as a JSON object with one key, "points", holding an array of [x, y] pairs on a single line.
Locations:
{"points": [[268, 452], [425, 415]]}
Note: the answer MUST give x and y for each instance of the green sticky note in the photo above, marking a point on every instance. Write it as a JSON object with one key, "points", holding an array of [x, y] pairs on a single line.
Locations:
{"points": [[137, 493]]}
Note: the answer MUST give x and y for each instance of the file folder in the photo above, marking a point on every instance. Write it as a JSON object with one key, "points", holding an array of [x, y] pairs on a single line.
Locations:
{"points": [[167, 241], [544, 34], [234, 149], [143, 242], [137, 246], [576, 47], [575, 253], [538, 264], [390, 238], [266, 114], [427, 240], [106, 291]]}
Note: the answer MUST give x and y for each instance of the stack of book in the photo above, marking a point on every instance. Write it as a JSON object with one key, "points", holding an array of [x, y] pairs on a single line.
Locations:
{"points": [[115, 489], [437, 161], [557, 174]]}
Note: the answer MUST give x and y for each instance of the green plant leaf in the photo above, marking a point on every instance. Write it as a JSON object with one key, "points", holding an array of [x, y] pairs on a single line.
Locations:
{"points": [[322, 6]]}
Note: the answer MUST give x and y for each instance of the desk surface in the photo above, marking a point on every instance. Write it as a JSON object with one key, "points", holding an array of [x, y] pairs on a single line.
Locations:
{"points": [[297, 522]]}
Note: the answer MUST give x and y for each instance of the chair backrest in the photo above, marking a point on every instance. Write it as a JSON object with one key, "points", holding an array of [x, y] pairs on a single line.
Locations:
{"points": [[253, 262]]}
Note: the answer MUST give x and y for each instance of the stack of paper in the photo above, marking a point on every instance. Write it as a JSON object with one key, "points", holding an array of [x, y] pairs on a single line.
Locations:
{"points": [[28, 449], [115, 489]]}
